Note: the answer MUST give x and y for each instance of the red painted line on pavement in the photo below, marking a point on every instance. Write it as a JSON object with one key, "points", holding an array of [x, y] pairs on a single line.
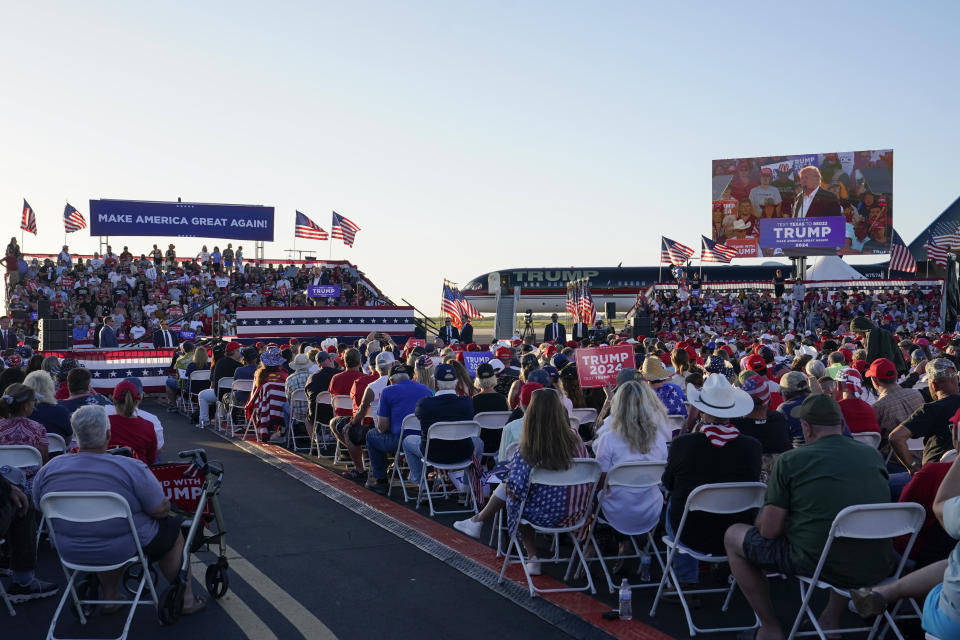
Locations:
{"points": [[580, 604]]}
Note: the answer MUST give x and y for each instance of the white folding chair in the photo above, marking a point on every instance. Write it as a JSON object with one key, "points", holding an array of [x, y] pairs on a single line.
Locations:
{"points": [[719, 498], [21, 456], [56, 444], [861, 522], [409, 426], [223, 387], [949, 456], [242, 386], [628, 475], [915, 445], [585, 415], [438, 431], [3, 592], [198, 381], [321, 435], [298, 398], [341, 402], [498, 520], [491, 421], [583, 471], [89, 507], [871, 438]]}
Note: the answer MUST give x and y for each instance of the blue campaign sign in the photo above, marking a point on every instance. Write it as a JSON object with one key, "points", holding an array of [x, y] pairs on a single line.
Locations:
{"points": [[323, 291], [187, 335], [473, 359], [803, 233], [182, 219]]}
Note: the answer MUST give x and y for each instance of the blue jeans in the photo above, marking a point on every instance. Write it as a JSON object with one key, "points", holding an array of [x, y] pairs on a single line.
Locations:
{"points": [[686, 567], [378, 446], [411, 448]]}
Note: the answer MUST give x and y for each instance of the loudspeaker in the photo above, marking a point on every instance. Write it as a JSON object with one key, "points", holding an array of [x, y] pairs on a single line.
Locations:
{"points": [[55, 334], [642, 326], [611, 310], [43, 308]]}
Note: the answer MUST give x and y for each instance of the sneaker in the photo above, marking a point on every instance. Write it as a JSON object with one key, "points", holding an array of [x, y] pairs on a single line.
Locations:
{"points": [[469, 527], [533, 566], [34, 590]]}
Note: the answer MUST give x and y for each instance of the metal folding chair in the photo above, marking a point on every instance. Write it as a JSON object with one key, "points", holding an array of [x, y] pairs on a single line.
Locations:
{"points": [[197, 382], [459, 430], [321, 433], [298, 396], [585, 415], [90, 507], [56, 444], [870, 438], [583, 471], [409, 426], [491, 421], [861, 522], [21, 456], [243, 386], [629, 475], [341, 402], [223, 387], [720, 498]]}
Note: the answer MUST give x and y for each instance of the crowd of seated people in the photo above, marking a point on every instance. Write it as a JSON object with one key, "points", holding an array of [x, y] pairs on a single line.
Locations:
{"points": [[140, 292], [763, 405]]}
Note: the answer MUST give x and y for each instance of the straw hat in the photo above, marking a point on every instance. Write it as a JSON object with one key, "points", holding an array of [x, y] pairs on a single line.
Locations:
{"points": [[653, 369]]}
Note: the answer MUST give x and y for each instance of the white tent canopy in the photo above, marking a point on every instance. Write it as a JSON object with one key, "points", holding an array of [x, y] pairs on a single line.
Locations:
{"points": [[832, 268]]}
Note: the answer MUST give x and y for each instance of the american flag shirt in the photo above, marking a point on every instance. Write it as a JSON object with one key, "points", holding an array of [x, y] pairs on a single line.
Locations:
{"points": [[543, 505]]}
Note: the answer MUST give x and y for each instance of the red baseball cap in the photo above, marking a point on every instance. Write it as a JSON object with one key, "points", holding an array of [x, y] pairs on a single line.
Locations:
{"points": [[124, 386], [526, 391], [503, 352], [756, 363], [882, 369]]}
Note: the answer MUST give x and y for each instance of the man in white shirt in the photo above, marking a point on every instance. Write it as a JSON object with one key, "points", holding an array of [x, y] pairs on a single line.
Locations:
{"points": [[96, 261], [765, 191]]}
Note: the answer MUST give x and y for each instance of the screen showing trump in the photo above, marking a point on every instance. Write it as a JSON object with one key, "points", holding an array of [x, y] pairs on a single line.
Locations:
{"points": [[839, 202]]}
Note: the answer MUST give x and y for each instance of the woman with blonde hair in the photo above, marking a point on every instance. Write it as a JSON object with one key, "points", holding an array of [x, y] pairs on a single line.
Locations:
{"points": [[54, 417], [638, 423]]}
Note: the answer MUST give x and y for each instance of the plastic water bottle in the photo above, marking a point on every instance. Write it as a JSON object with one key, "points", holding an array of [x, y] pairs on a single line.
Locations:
{"points": [[645, 567], [626, 601]]}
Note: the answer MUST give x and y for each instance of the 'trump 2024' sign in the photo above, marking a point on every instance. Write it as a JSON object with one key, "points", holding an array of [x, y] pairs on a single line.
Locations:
{"points": [[183, 219], [599, 367]]}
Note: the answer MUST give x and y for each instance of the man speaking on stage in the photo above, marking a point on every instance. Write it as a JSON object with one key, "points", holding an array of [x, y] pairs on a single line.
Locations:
{"points": [[815, 202]]}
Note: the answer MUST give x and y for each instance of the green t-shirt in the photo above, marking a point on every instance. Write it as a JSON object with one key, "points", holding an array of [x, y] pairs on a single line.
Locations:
{"points": [[814, 483]]}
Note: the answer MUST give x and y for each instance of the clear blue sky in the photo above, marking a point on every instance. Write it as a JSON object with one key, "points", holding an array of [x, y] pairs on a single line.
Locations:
{"points": [[464, 137]]}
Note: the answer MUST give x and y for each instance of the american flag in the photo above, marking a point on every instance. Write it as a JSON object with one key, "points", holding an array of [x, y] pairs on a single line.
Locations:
{"points": [[450, 305], [265, 405], [711, 251], [307, 228], [73, 220], [466, 308], [673, 252], [572, 306], [29, 222], [936, 252], [900, 257], [946, 233], [588, 310], [344, 229]]}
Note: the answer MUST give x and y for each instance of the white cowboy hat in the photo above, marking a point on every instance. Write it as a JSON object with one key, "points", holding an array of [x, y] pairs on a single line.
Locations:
{"points": [[720, 399]]}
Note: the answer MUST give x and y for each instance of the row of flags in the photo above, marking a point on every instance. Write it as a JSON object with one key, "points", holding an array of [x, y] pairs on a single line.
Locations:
{"points": [[73, 220], [675, 253], [455, 306], [580, 303], [342, 228]]}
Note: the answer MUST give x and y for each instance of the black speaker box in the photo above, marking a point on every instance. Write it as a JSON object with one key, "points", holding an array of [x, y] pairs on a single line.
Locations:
{"points": [[611, 310], [642, 326], [43, 308]]}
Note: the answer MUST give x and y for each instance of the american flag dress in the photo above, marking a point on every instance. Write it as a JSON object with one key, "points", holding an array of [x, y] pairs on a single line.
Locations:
{"points": [[543, 505]]}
